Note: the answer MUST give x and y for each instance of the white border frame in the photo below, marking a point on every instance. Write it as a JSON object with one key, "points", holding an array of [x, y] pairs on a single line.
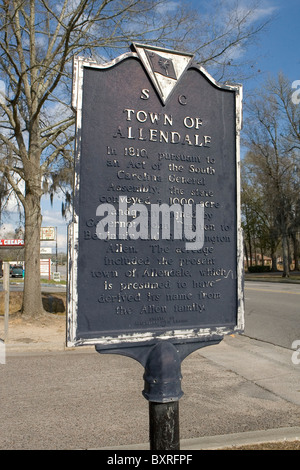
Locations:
{"points": [[203, 334]]}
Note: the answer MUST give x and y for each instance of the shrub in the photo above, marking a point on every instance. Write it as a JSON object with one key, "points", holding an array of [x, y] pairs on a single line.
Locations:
{"points": [[259, 269]]}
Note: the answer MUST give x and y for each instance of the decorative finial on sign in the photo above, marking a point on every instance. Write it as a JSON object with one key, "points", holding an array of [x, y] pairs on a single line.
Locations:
{"points": [[164, 67]]}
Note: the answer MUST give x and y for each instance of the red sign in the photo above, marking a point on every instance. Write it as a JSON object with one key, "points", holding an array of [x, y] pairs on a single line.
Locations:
{"points": [[6, 242]]}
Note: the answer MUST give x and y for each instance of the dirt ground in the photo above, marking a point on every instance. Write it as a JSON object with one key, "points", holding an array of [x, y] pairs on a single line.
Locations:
{"points": [[285, 445], [53, 303], [50, 331]]}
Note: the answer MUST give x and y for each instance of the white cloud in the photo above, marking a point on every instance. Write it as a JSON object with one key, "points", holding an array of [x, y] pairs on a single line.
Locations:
{"points": [[12, 203], [250, 16], [61, 242], [166, 7], [53, 219], [235, 52], [246, 11], [5, 229]]}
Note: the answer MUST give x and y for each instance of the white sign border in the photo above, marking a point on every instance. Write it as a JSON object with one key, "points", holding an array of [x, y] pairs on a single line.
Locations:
{"points": [[203, 334]]}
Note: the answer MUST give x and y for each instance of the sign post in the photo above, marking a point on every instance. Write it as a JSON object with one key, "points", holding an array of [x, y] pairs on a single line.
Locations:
{"points": [[164, 426], [155, 246], [6, 268]]}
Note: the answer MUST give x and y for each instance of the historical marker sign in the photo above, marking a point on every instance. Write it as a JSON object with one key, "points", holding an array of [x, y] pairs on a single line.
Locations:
{"points": [[155, 247]]}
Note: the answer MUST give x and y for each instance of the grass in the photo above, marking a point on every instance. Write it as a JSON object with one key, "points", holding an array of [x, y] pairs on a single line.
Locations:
{"points": [[43, 281], [283, 445]]}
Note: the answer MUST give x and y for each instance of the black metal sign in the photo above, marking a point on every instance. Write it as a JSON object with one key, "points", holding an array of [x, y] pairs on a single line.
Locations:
{"points": [[155, 248]]}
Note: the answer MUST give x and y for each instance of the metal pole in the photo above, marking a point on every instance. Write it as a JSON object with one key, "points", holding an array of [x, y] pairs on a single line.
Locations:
{"points": [[56, 261], [6, 298], [162, 385], [164, 426], [162, 380]]}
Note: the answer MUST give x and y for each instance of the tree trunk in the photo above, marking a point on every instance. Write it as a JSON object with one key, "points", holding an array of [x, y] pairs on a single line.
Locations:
{"points": [[32, 299], [246, 254], [296, 251], [296, 255], [273, 248], [274, 262], [285, 255], [250, 247], [262, 256]]}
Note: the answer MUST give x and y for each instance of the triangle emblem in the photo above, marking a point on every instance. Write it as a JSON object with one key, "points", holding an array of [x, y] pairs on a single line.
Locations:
{"points": [[164, 67]]}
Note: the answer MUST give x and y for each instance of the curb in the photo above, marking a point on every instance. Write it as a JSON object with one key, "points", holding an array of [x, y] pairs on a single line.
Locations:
{"points": [[275, 280], [226, 441], [41, 347]]}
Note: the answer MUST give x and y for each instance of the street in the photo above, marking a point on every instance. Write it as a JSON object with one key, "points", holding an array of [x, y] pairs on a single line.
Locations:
{"points": [[272, 312], [18, 284]]}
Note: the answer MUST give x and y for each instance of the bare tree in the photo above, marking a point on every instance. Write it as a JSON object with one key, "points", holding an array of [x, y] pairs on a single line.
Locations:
{"points": [[38, 39], [272, 139], [281, 89], [259, 213], [3, 194]]}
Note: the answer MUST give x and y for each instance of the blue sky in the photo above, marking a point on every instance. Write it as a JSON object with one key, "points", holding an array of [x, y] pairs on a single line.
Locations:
{"points": [[279, 45], [277, 50]]}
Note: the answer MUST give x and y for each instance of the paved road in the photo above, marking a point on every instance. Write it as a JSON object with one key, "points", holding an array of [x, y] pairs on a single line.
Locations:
{"points": [[82, 400], [272, 312], [17, 286]]}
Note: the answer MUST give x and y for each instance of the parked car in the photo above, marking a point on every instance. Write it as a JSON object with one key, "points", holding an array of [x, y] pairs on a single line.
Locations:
{"points": [[16, 271]]}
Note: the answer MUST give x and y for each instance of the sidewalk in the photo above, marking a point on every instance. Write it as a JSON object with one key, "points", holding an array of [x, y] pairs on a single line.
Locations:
{"points": [[270, 370], [265, 372], [281, 437]]}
